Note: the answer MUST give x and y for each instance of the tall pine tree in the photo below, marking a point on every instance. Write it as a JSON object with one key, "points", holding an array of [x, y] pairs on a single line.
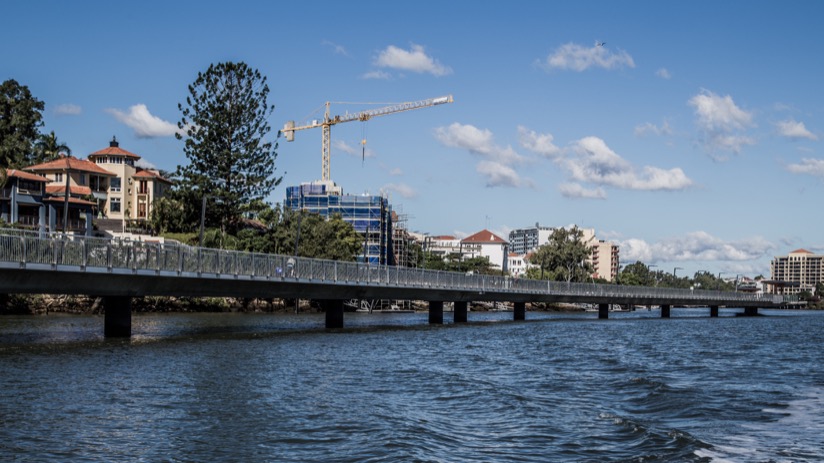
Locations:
{"points": [[230, 161]]}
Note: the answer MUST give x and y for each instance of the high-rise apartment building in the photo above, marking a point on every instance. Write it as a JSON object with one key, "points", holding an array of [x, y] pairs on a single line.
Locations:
{"points": [[799, 271]]}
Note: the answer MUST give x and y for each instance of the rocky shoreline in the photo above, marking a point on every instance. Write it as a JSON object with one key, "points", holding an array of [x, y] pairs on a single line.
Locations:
{"points": [[43, 304]]}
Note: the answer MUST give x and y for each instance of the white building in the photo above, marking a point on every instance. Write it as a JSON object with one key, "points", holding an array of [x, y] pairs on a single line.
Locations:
{"points": [[489, 245]]}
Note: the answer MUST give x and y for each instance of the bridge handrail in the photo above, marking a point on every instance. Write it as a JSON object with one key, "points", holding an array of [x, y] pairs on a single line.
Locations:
{"points": [[72, 252]]}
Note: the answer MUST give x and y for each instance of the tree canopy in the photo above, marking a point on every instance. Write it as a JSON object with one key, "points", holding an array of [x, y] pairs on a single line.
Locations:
{"points": [[48, 147], [565, 257], [225, 121], [20, 118]]}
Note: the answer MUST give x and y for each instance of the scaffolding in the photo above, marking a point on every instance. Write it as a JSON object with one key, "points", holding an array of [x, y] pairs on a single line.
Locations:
{"points": [[370, 216]]}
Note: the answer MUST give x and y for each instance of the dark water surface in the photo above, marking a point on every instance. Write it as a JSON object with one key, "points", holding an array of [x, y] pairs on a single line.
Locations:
{"points": [[280, 388]]}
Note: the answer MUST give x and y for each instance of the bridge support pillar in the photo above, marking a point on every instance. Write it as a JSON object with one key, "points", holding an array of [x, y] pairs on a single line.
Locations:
{"points": [[334, 313], [520, 311], [713, 311], [460, 311], [117, 318], [750, 311], [603, 311], [436, 312], [665, 311]]}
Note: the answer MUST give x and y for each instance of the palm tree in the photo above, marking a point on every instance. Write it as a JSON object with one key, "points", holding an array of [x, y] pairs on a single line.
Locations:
{"points": [[48, 148]]}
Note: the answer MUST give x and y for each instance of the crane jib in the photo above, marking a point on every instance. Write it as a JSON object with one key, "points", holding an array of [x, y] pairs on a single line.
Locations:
{"points": [[289, 128]]}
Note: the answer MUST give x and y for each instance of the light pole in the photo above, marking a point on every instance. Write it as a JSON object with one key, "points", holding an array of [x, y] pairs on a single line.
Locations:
{"points": [[675, 270], [202, 220]]}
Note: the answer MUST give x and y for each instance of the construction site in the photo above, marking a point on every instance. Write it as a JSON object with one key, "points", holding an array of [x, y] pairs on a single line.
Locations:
{"points": [[386, 241]]}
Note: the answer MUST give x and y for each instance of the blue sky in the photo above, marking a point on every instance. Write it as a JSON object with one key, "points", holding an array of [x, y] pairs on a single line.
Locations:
{"points": [[692, 137]]}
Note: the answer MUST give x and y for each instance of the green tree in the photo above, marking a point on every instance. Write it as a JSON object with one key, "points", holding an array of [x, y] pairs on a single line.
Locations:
{"points": [[637, 274], [20, 117], [225, 119], [563, 258], [48, 147]]}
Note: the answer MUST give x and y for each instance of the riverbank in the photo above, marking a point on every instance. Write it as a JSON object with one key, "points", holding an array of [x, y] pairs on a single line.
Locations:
{"points": [[43, 304]]}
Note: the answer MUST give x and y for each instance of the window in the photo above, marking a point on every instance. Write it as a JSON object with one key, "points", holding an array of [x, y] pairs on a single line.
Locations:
{"points": [[115, 184], [114, 204], [143, 187], [58, 177], [81, 180]]}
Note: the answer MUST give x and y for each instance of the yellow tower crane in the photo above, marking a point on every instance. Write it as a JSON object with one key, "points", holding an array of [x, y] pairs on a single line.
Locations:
{"points": [[328, 121]]}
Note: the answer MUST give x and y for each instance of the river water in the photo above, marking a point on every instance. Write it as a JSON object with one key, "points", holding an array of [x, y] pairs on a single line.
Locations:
{"points": [[391, 388]]}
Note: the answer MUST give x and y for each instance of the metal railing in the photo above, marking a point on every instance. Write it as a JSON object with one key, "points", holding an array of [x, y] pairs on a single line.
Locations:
{"points": [[81, 253]]}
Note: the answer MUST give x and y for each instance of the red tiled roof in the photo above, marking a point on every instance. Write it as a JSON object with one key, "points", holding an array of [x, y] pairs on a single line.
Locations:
{"points": [[801, 251], [70, 163], [150, 174], [443, 237], [73, 190], [26, 176], [72, 200], [485, 237], [114, 151]]}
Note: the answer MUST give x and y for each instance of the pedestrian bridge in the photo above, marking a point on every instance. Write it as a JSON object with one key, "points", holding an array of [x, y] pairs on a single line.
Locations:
{"points": [[118, 270]]}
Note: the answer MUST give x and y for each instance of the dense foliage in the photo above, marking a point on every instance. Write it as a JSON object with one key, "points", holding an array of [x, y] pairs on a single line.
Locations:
{"points": [[20, 118], [225, 120], [563, 258]]}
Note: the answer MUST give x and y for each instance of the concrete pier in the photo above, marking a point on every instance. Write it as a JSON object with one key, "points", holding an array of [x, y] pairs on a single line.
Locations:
{"points": [[713, 311], [603, 311], [520, 311], [751, 311], [665, 311], [117, 317], [334, 313], [436, 312], [460, 311]]}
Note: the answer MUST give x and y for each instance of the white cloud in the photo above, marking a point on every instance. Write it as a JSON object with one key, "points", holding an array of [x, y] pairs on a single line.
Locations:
{"points": [[577, 191], [721, 121], [144, 124], [719, 113], [652, 129], [497, 174], [795, 130], [663, 73], [477, 141], [380, 75], [572, 56], [340, 145], [396, 172], [695, 246], [415, 60], [68, 110], [808, 166], [405, 191], [594, 162], [538, 143], [144, 164], [338, 49]]}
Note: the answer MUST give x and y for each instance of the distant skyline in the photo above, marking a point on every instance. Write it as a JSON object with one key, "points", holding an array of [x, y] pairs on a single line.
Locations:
{"points": [[689, 133]]}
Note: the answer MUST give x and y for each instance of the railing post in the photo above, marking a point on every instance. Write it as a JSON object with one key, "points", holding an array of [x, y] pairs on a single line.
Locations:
{"points": [[109, 256], [84, 261], [179, 259], [24, 256]]}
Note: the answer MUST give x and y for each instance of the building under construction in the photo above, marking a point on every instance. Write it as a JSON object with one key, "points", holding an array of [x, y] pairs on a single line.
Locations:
{"points": [[371, 216]]}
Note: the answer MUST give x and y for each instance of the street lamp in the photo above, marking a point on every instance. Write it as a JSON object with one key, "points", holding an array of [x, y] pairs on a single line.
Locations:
{"points": [[675, 270]]}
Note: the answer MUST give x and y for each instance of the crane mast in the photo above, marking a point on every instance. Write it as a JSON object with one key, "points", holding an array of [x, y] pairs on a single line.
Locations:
{"points": [[328, 121]]}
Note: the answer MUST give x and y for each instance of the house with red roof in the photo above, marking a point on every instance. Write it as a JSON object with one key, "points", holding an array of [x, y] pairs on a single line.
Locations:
{"points": [[21, 198], [69, 200], [489, 245], [133, 189], [74, 191]]}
